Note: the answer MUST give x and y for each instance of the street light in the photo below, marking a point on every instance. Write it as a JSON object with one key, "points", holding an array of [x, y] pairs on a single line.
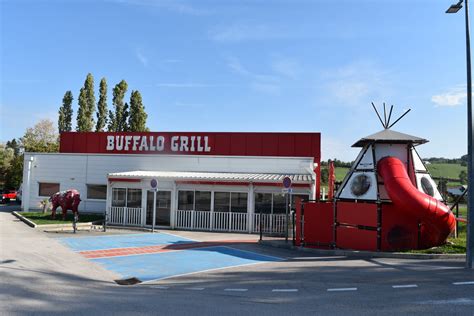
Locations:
{"points": [[470, 165]]}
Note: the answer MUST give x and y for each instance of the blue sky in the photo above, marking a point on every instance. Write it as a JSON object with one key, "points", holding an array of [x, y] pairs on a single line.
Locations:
{"points": [[269, 65]]}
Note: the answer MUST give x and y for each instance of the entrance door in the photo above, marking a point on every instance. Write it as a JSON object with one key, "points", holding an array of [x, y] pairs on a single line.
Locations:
{"points": [[163, 208]]}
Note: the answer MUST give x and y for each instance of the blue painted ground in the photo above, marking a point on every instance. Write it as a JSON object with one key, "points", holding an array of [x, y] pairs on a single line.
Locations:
{"points": [[122, 241], [164, 265]]}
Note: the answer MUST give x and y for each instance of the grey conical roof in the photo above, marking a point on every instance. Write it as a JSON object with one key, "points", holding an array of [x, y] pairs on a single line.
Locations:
{"points": [[391, 137]]}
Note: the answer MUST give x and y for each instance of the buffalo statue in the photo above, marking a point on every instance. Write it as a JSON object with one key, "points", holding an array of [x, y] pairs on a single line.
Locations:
{"points": [[67, 200]]}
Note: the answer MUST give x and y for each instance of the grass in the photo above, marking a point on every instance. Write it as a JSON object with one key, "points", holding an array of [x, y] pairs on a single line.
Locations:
{"points": [[446, 170], [40, 218]]}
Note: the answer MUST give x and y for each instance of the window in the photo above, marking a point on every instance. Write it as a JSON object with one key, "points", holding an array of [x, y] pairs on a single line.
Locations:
{"points": [[186, 200], [279, 203], [48, 189], [230, 202], [221, 201], [134, 197], [263, 203], [97, 192], [238, 203], [122, 197], [203, 201], [295, 196], [118, 197]]}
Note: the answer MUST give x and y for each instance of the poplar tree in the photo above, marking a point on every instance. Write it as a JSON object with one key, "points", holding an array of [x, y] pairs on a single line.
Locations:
{"points": [[85, 119], [138, 116], [102, 107], [117, 120], [66, 112]]}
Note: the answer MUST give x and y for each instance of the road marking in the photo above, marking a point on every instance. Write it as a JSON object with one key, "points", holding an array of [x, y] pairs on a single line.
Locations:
{"points": [[463, 283], [404, 286], [195, 288], [285, 290], [456, 301], [236, 290], [160, 287], [342, 289]]}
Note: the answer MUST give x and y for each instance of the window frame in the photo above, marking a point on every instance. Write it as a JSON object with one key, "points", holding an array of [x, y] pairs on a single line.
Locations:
{"points": [[95, 199], [54, 183]]}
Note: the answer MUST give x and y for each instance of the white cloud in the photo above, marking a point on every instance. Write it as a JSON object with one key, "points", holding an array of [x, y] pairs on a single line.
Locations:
{"points": [[180, 7], [259, 82], [453, 97], [246, 32], [357, 83], [332, 148], [287, 67], [141, 57], [188, 85]]}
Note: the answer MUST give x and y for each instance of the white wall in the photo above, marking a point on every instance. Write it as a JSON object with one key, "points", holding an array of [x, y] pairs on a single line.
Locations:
{"points": [[77, 170]]}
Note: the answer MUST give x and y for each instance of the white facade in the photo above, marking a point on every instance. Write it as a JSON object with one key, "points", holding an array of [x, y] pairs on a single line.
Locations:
{"points": [[76, 171]]}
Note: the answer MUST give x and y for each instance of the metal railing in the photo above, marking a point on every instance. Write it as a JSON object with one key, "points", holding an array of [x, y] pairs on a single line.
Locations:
{"points": [[126, 216]]}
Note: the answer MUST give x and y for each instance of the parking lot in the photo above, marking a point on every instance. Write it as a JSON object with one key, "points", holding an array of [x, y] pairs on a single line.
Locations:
{"points": [[156, 256]]}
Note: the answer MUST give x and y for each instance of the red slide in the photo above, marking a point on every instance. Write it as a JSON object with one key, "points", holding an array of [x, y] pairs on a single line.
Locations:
{"points": [[436, 220]]}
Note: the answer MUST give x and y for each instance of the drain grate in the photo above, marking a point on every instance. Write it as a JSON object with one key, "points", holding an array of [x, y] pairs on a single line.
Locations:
{"points": [[129, 281]]}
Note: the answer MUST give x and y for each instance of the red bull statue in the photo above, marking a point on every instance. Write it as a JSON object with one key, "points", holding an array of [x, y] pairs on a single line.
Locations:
{"points": [[67, 200]]}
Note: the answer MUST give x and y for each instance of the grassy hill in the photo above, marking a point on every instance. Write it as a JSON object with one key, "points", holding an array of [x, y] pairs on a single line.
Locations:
{"points": [[436, 170]]}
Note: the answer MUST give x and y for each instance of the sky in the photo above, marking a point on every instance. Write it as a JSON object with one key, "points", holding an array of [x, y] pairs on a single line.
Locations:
{"points": [[261, 65]]}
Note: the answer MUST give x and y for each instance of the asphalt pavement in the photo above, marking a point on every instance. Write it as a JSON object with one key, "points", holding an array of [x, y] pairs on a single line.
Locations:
{"points": [[41, 275]]}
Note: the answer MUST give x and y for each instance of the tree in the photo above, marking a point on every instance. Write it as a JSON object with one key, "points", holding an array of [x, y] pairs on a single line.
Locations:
{"points": [[65, 113], [14, 145], [41, 138], [463, 177], [102, 107], [117, 120], [138, 116], [85, 119]]}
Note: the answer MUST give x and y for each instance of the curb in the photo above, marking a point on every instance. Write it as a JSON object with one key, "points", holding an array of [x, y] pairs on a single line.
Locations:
{"points": [[24, 219], [363, 254]]}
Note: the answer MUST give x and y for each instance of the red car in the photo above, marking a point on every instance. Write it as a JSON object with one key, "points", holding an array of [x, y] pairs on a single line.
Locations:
{"points": [[8, 195]]}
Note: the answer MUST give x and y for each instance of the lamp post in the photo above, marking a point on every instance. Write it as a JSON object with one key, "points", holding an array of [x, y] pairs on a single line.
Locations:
{"points": [[470, 165]]}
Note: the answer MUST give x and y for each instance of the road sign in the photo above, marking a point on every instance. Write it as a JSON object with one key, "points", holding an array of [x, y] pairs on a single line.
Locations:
{"points": [[290, 190], [154, 184], [286, 182]]}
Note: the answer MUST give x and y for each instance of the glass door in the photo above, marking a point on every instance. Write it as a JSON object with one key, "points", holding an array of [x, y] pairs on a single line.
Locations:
{"points": [[163, 208]]}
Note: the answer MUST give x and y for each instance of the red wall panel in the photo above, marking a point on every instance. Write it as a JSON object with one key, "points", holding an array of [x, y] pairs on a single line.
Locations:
{"points": [[354, 238], [318, 223], [236, 144], [357, 213]]}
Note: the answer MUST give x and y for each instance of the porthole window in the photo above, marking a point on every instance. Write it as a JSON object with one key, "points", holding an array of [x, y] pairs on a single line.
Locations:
{"points": [[360, 185], [427, 186]]}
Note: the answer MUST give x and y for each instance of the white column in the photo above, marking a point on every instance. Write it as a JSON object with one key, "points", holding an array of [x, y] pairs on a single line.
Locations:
{"points": [[211, 227], [174, 205], [144, 201], [108, 201], [25, 202], [250, 208]]}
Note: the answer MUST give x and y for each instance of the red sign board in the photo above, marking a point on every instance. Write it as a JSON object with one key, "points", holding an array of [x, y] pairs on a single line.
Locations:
{"points": [[194, 143]]}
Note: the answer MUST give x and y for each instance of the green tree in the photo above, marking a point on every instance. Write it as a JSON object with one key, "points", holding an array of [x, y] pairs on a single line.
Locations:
{"points": [[85, 119], [14, 145], [463, 177], [41, 138], [65, 113], [102, 107], [118, 120], [138, 116]]}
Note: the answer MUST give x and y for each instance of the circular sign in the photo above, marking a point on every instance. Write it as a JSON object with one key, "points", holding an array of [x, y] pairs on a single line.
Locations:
{"points": [[287, 182], [153, 183]]}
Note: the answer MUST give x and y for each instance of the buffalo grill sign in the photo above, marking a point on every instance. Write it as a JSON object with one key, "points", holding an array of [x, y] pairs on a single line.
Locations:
{"points": [[157, 143]]}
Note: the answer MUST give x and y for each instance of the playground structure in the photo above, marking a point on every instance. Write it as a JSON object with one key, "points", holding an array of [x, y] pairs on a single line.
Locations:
{"points": [[387, 201]]}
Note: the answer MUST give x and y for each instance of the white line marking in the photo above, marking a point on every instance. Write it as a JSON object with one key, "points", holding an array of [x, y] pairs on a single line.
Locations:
{"points": [[342, 289], [463, 283], [404, 286], [195, 288], [285, 290], [236, 290], [160, 287]]}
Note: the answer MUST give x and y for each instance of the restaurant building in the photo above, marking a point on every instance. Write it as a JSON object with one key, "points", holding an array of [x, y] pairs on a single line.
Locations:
{"points": [[183, 180]]}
